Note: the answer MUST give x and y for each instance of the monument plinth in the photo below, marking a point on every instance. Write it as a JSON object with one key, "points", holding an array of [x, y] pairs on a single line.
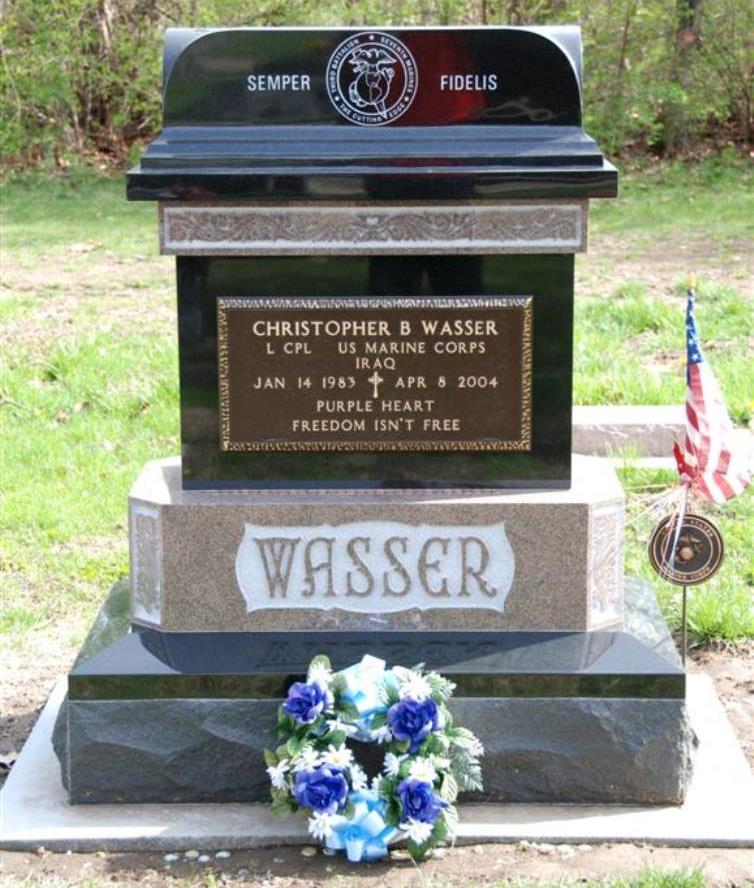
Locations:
{"points": [[377, 560], [375, 235]]}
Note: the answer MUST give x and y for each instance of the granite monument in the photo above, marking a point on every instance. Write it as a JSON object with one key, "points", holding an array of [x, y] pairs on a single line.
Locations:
{"points": [[375, 234]]}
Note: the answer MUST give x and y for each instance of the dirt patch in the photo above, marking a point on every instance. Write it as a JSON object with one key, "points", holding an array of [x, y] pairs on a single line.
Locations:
{"points": [[102, 293], [30, 668], [733, 673], [462, 867], [661, 263]]}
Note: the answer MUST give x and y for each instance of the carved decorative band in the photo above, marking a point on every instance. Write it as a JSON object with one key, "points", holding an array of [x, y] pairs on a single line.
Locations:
{"points": [[606, 565], [146, 563], [373, 230]]}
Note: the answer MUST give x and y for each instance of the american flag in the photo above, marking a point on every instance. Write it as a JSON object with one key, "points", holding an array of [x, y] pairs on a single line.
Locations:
{"points": [[708, 464]]}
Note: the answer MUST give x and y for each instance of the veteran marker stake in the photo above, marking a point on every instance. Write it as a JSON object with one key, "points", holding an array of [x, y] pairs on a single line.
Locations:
{"points": [[688, 549]]}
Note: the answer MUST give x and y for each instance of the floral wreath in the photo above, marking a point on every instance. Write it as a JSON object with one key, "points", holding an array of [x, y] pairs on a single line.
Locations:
{"points": [[427, 760]]}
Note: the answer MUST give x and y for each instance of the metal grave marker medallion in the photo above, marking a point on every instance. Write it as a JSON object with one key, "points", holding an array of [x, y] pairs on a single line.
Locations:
{"points": [[698, 554], [375, 374]]}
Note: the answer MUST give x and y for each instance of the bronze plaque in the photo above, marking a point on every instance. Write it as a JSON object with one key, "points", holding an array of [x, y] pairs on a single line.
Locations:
{"points": [[375, 374]]}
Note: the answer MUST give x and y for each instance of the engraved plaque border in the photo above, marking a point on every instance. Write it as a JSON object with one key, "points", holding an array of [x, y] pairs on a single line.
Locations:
{"points": [[520, 444]]}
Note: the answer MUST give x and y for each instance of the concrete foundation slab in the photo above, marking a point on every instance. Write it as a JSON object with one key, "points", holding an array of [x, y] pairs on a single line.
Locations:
{"points": [[646, 431], [719, 809]]}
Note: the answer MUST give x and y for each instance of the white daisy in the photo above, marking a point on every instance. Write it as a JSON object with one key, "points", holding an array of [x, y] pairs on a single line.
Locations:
{"points": [[336, 724], [321, 675], [415, 686], [320, 825], [418, 831], [422, 769], [339, 756], [277, 773], [359, 779], [307, 760], [382, 735], [392, 764]]}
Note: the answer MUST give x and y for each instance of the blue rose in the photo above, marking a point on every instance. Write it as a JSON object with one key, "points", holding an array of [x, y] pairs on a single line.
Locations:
{"points": [[305, 702], [322, 789], [419, 802], [413, 720]]}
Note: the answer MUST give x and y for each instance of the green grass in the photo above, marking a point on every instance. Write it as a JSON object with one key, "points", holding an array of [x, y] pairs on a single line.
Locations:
{"points": [[76, 426], [713, 199], [629, 348], [671, 220], [44, 214], [88, 387], [89, 382], [657, 879]]}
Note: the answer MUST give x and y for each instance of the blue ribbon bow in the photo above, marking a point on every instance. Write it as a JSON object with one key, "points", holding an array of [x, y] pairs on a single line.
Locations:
{"points": [[365, 835], [364, 684]]}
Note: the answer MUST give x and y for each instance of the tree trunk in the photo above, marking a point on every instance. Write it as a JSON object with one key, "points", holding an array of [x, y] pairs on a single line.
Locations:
{"points": [[676, 136]]}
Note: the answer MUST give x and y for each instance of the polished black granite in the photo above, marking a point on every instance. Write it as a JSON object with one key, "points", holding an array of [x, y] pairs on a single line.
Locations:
{"points": [[518, 135], [537, 72], [549, 278], [521, 139], [362, 184], [147, 664]]}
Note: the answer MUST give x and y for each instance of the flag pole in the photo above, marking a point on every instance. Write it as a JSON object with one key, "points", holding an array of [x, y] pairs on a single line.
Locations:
{"points": [[691, 288], [668, 561]]}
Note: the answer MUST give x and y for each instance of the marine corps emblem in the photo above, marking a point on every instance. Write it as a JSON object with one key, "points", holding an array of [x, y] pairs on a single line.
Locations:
{"points": [[371, 79], [698, 553]]}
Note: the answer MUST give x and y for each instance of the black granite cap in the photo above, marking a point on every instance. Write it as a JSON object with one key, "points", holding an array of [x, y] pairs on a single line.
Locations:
{"points": [[262, 665], [415, 113]]}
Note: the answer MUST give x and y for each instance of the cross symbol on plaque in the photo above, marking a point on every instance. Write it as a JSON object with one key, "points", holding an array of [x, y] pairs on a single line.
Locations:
{"points": [[375, 379]]}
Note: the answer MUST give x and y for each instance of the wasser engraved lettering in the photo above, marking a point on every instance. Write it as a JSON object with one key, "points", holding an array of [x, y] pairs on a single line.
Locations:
{"points": [[375, 567]]}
